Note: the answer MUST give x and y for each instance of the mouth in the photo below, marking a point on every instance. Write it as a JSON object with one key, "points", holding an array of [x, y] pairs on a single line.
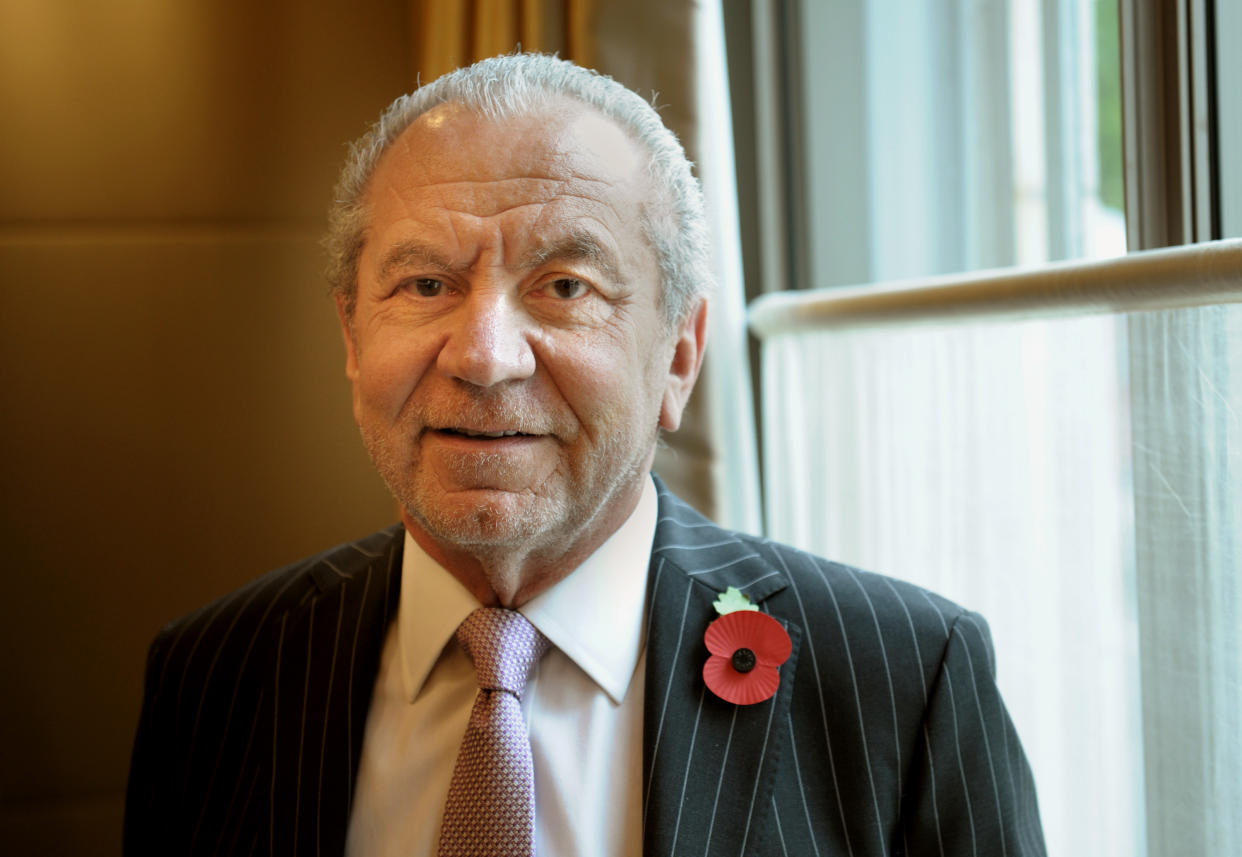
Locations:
{"points": [[480, 435]]}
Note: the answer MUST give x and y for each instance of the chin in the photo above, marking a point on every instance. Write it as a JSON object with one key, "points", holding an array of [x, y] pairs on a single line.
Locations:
{"points": [[488, 519]]}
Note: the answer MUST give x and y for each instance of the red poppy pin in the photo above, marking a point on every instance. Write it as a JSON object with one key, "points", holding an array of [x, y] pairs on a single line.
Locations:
{"points": [[747, 648]]}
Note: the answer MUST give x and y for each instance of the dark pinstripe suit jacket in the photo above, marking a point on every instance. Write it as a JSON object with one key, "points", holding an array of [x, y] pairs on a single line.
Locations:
{"points": [[887, 735]]}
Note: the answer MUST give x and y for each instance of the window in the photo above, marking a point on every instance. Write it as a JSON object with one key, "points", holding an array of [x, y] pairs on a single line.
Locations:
{"points": [[1073, 475]]}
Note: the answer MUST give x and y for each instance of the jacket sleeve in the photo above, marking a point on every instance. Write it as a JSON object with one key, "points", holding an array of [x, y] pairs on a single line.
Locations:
{"points": [[970, 789], [150, 781]]}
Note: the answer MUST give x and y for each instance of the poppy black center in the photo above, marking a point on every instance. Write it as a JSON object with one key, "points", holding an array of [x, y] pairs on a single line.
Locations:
{"points": [[743, 660]]}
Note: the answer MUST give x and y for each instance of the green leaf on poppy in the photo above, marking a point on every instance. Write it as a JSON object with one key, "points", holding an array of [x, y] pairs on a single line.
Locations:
{"points": [[732, 600]]}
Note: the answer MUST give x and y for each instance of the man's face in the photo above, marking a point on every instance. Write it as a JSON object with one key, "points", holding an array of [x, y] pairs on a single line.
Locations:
{"points": [[510, 360]]}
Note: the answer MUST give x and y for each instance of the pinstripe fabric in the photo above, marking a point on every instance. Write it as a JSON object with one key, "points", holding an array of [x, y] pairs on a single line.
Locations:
{"points": [[887, 735], [255, 707]]}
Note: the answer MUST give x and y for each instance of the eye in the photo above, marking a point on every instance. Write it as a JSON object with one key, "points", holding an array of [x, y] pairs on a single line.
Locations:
{"points": [[427, 287], [568, 288]]}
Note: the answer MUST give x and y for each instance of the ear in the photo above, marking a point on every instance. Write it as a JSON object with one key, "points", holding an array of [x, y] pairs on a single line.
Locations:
{"points": [[347, 331], [684, 368]]}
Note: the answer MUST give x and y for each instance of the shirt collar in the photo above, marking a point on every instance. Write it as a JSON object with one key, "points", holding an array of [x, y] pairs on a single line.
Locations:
{"points": [[594, 616]]}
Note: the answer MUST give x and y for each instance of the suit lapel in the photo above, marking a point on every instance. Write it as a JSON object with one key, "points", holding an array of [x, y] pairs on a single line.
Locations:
{"points": [[709, 766], [328, 655]]}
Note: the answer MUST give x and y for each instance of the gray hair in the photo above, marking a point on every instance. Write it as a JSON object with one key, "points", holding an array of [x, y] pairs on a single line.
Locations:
{"points": [[505, 86]]}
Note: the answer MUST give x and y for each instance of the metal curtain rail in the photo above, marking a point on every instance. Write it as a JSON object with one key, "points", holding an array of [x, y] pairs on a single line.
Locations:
{"points": [[1173, 278]]}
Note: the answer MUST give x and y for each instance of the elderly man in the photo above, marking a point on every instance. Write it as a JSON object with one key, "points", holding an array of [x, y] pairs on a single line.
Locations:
{"points": [[518, 259]]}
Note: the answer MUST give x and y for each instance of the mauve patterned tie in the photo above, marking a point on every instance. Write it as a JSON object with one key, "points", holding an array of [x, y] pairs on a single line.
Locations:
{"points": [[490, 811]]}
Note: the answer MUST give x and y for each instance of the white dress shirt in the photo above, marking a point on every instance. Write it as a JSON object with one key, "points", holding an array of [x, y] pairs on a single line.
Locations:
{"points": [[583, 706]]}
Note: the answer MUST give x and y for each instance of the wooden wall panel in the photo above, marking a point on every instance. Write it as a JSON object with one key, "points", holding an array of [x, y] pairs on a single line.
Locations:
{"points": [[174, 417]]}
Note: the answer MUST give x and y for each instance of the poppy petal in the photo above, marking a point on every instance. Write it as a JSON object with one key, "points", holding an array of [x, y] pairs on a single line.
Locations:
{"points": [[749, 629], [740, 688]]}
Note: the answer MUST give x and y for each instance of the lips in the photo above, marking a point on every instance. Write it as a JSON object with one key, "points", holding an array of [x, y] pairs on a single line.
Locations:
{"points": [[484, 435]]}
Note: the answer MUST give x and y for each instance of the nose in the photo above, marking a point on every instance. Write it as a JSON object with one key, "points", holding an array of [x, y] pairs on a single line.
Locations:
{"points": [[488, 341]]}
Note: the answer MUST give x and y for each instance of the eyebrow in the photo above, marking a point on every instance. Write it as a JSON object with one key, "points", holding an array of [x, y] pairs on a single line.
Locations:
{"points": [[410, 253], [578, 245]]}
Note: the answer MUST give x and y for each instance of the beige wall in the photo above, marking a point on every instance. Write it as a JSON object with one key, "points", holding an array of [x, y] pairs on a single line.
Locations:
{"points": [[173, 414]]}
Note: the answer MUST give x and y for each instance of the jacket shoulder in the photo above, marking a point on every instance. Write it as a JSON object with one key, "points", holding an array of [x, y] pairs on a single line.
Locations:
{"points": [[818, 584], [859, 593], [208, 712], [232, 628]]}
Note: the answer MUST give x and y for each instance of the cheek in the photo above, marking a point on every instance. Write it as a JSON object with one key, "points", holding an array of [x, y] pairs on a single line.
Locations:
{"points": [[611, 386], [388, 372]]}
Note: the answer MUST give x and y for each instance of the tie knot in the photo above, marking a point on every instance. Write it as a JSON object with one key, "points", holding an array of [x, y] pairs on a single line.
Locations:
{"points": [[503, 646]]}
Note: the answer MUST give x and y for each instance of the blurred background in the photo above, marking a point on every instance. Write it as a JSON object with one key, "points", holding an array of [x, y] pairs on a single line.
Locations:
{"points": [[176, 418]]}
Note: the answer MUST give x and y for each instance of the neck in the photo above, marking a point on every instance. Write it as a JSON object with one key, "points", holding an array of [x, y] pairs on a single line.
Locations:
{"points": [[511, 575]]}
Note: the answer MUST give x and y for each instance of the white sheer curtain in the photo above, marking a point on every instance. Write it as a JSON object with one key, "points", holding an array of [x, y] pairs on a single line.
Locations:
{"points": [[1078, 481], [1187, 427], [990, 463]]}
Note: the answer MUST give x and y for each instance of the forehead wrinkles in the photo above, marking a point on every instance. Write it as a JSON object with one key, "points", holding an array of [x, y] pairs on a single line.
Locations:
{"points": [[513, 186], [490, 197], [525, 221]]}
